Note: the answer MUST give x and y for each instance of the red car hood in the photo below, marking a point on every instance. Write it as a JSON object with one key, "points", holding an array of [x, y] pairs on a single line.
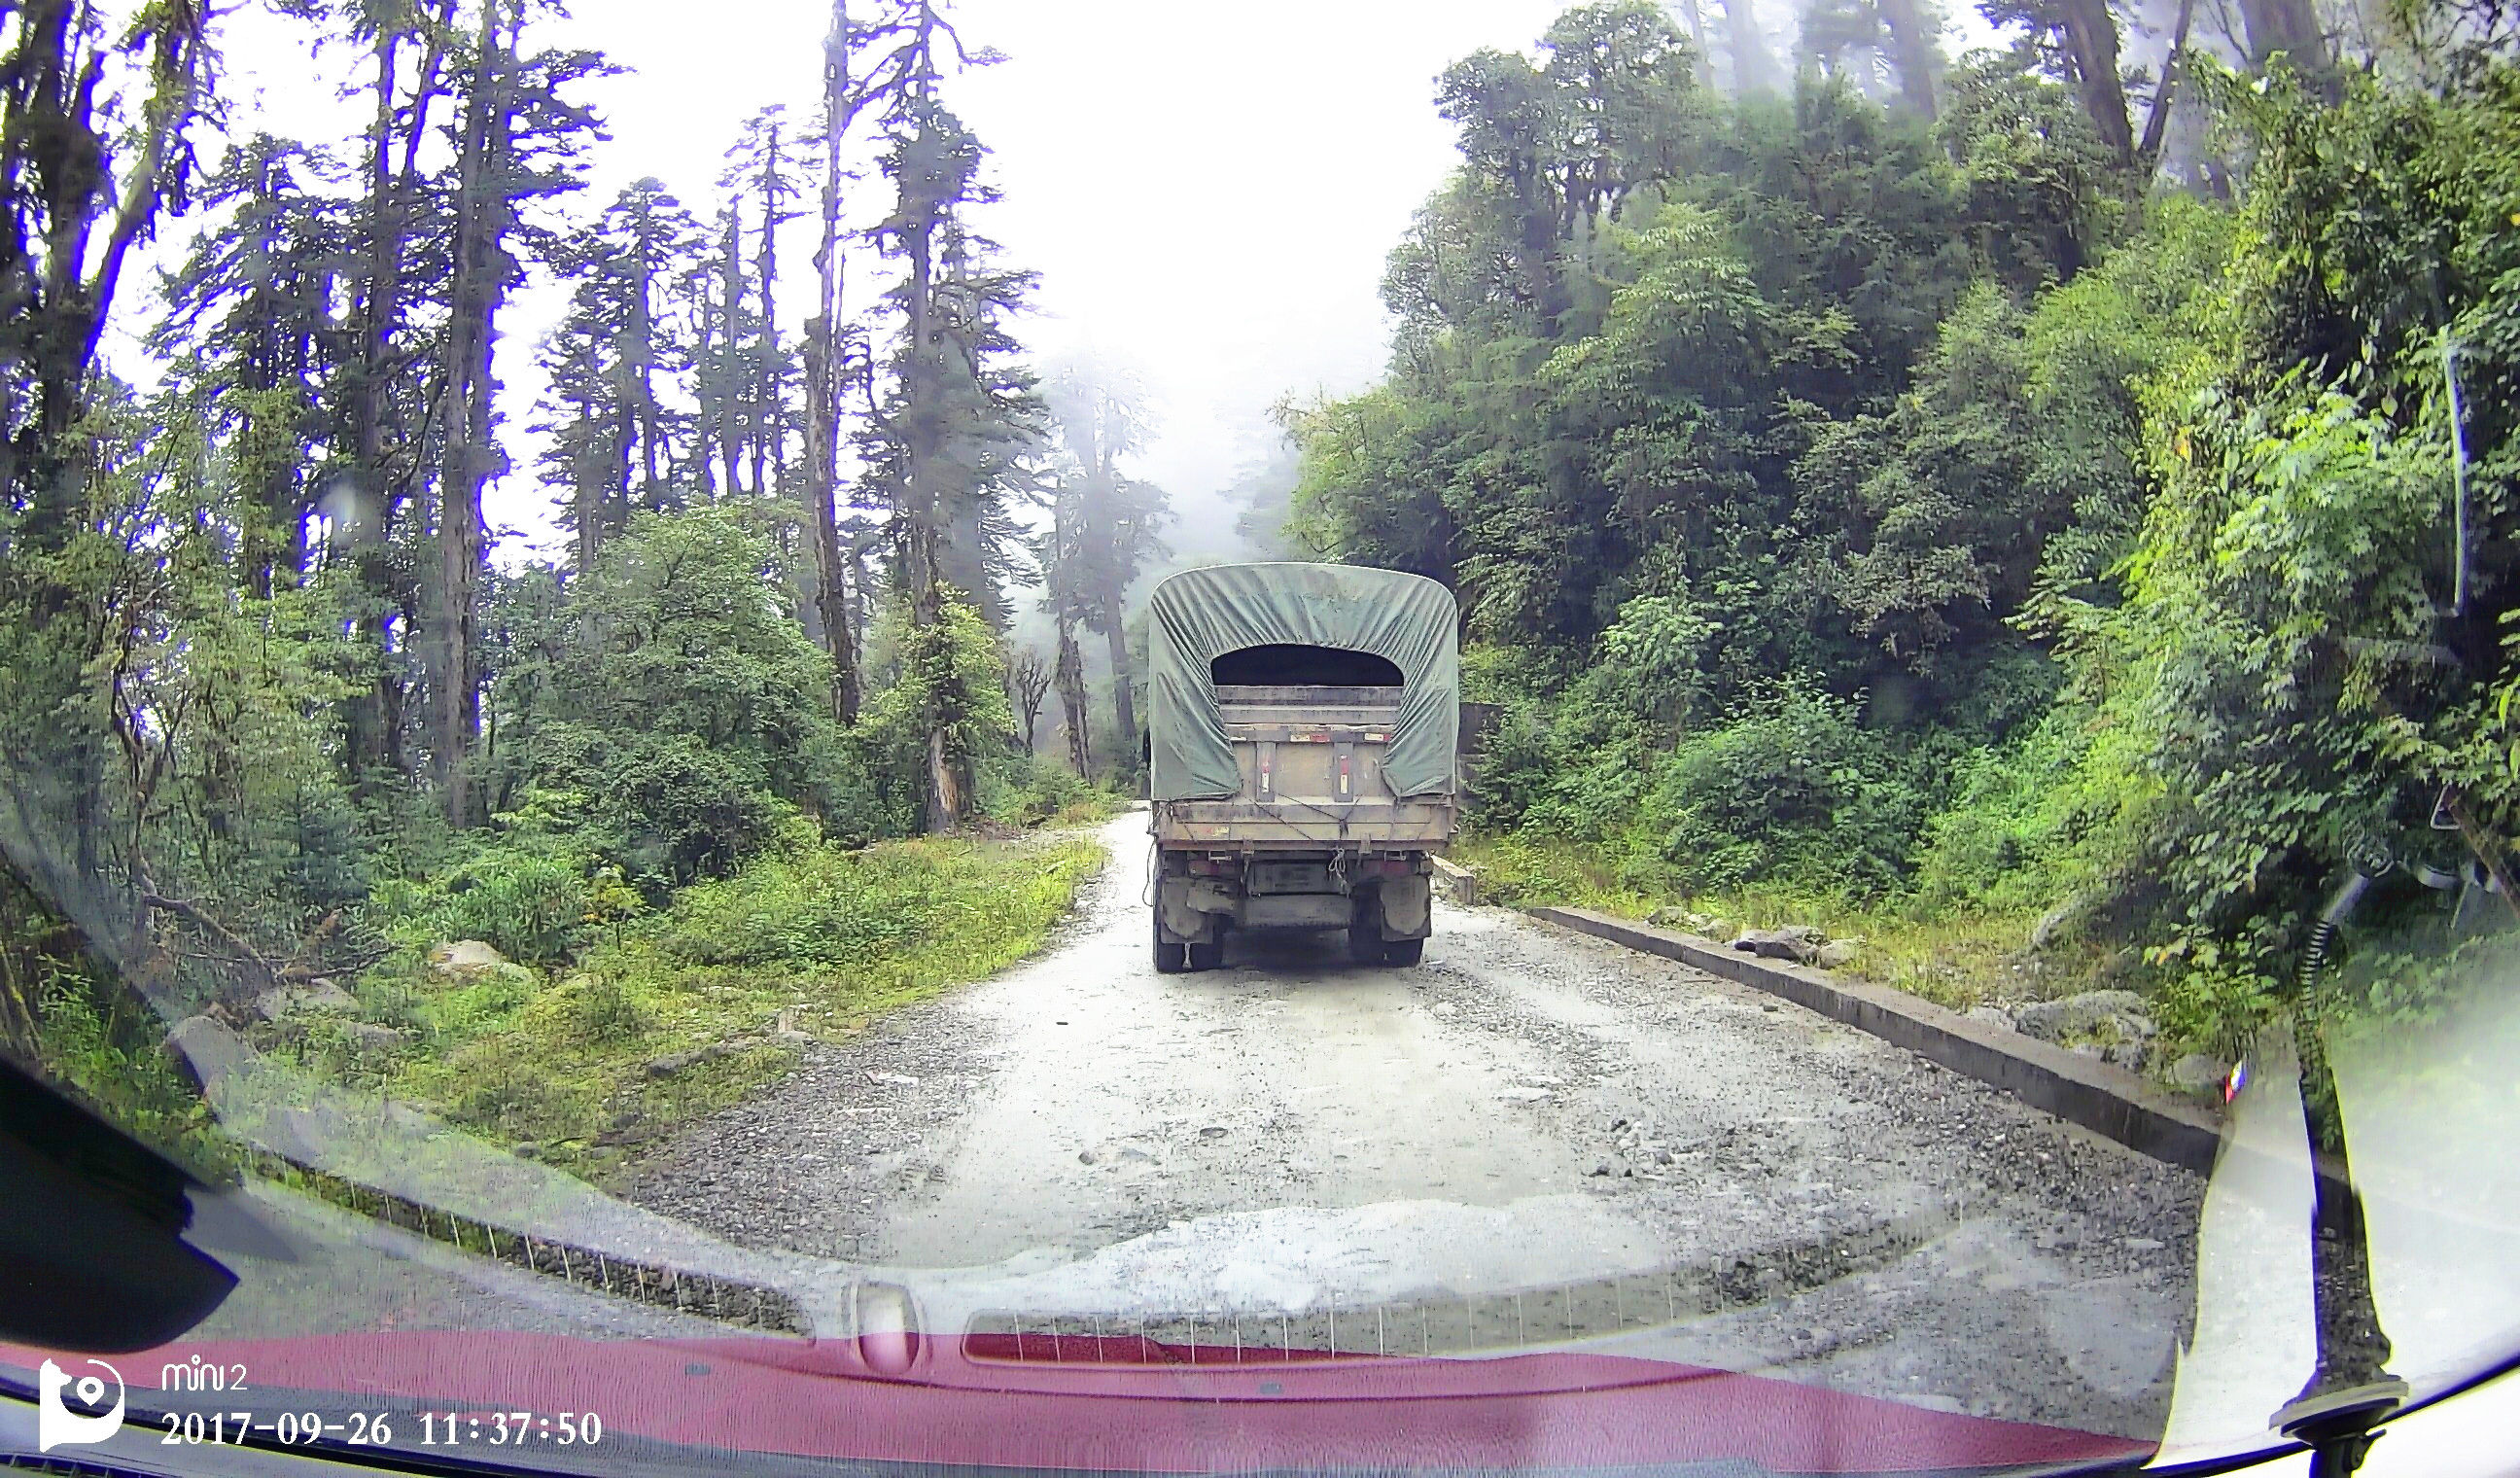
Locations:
{"points": [[1110, 1406]]}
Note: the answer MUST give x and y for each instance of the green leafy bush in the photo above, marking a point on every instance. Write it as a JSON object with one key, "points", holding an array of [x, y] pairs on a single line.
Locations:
{"points": [[530, 897], [1799, 792], [101, 1039], [1026, 790], [2054, 811], [815, 907], [673, 690]]}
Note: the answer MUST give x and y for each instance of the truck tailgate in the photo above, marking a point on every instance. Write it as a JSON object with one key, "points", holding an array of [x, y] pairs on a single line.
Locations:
{"points": [[1310, 763]]}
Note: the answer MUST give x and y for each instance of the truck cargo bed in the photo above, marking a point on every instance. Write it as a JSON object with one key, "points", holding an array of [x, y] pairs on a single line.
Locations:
{"points": [[1310, 759]]}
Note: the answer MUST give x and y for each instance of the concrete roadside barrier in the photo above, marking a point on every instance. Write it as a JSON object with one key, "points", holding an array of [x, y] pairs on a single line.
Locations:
{"points": [[2107, 1099]]}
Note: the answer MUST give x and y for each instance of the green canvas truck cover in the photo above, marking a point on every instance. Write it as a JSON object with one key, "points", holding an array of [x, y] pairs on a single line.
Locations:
{"points": [[1200, 614]]}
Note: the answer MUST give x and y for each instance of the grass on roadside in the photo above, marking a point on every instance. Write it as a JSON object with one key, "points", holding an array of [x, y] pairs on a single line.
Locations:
{"points": [[684, 1012], [1091, 809], [1955, 959]]}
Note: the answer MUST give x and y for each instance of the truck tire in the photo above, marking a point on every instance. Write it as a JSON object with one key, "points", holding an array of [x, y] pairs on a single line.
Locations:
{"points": [[1208, 955], [1170, 958], [1403, 951]]}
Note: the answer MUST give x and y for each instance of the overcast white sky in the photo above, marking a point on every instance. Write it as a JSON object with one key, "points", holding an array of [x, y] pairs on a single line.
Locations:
{"points": [[1207, 191]]}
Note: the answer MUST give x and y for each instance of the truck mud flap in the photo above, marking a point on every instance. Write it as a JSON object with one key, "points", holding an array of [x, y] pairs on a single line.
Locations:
{"points": [[1406, 907], [1185, 906]]}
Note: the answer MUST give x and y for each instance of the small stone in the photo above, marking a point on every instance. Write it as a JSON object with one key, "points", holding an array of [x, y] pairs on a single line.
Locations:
{"points": [[2142, 1243], [1523, 1095], [1601, 1169], [1212, 1132], [371, 1036], [1769, 1007], [1835, 956], [896, 1080], [1777, 943], [1086, 1157], [673, 1062]]}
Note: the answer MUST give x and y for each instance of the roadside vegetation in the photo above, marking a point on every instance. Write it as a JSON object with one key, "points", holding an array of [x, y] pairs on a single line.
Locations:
{"points": [[688, 886], [588, 1050], [1958, 960], [780, 716], [1961, 527]]}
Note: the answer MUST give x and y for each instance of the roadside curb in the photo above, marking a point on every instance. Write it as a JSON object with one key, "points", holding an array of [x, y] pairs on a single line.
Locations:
{"points": [[1460, 884], [2102, 1097]]}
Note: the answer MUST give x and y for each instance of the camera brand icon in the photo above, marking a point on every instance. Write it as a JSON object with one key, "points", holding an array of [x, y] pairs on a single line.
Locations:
{"points": [[56, 1424]]}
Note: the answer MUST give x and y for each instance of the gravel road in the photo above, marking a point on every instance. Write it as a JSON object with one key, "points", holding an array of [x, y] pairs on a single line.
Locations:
{"points": [[1534, 1138]]}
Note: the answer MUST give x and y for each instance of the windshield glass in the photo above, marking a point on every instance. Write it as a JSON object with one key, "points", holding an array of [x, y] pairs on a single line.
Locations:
{"points": [[1086, 736]]}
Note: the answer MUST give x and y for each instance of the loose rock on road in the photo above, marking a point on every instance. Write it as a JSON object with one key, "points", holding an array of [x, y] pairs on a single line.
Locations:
{"points": [[1529, 1112]]}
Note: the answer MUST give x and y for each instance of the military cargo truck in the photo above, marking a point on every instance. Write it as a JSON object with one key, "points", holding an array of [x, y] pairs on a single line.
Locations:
{"points": [[1302, 725]]}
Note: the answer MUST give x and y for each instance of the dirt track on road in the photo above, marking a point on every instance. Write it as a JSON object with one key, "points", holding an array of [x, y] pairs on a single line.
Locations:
{"points": [[1530, 1110]]}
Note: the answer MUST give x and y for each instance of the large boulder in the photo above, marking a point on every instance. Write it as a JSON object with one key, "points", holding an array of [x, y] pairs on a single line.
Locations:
{"points": [[375, 1036], [462, 962], [2115, 1014], [2198, 1073], [317, 995], [207, 1049]]}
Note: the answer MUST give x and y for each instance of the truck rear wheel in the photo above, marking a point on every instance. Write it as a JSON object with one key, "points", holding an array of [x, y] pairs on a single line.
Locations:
{"points": [[1403, 951], [1170, 958], [1208, 955]]}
